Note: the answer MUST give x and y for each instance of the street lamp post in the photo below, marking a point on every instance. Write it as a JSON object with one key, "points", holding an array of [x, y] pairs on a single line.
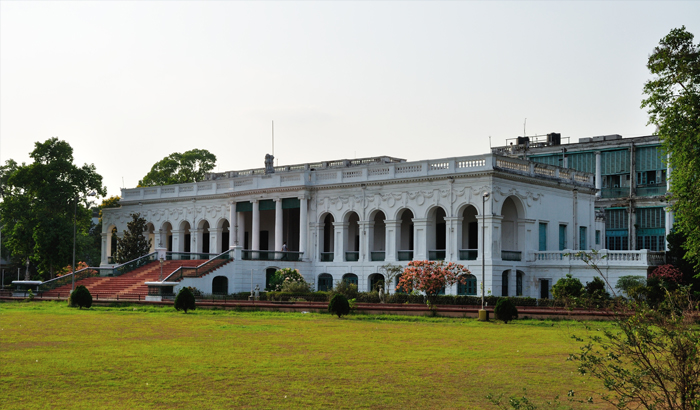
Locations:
{"points": [[75, 228], [484, 197], [160, 278]]}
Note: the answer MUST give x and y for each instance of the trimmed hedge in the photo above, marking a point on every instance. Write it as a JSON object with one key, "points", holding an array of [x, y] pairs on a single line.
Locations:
{"points": [[285, 296]]}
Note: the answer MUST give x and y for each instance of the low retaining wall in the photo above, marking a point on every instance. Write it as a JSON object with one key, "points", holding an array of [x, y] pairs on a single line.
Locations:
{"points": [[366, 308]]}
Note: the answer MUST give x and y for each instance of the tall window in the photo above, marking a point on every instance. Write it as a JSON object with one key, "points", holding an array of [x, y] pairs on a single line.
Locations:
{"points": [[562, 237], [504, 284], [543, 236], [583, 243], [518, 283], [651, 231], [616, 224]]}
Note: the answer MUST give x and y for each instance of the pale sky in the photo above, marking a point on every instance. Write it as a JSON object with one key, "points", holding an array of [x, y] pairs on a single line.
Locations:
{"points": [[127, 83]]}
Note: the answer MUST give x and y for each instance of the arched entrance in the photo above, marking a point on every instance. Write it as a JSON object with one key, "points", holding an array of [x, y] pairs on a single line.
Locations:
{"points": [[469, 239], [326, 239], [352, 237], [437, 234], [468, 288], [325, 282], [376, 281], [350, 278], [405, 235], [377, 237], [219, 285], [510, 231]]}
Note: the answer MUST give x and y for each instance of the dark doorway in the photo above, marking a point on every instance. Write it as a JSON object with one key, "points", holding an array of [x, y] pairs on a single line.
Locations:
{"points": [[544, 289]]}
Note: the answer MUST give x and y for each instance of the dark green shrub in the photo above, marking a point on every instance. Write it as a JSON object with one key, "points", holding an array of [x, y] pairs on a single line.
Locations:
{"points": [[80, 297], [185, 300], [286, 296], [567, 288], [506, 310], [371, 297], [339, 305]]}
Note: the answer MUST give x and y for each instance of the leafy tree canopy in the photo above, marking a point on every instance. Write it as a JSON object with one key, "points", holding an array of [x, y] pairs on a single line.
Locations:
{"points": [[39, 201], [179, 168], [673, 104], [133, 244]]}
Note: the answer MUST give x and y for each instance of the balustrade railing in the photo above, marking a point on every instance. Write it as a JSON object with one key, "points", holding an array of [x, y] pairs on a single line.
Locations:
{"points": [[326, 256], [405, 255], [250, 255], [352, 256], [436, 255], [511, 255], [377, 256], [68, 278], [468, 254]]}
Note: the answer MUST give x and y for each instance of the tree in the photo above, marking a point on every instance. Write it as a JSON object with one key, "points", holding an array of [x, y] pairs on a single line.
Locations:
{"points": [[39, 202], [177, 168], [133, 245], [390, 272], [651, 358], [675, 256], [630, 285], [339, 305], [80, 297], [185, 300], [430, 276], [505, 310], [673, 104]]}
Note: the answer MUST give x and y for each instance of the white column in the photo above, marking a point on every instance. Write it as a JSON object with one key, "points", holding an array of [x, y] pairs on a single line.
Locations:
{"points": [[317, 247], [279, 230], [303, 226], [420, 239], [241, 228], [392, 239], [106, 242], [340, 229], [215, 240], [255, 235], [193, 240], [598, 175], [233, 226], [177, 243], [366, 239], [452, 225]]}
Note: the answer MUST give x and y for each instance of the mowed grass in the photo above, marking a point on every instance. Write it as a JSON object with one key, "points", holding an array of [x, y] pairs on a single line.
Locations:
{"points": [[52, 356]]}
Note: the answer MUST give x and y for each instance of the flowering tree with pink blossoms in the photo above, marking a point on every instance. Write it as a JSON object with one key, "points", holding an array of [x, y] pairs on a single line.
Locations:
{"points": [[431, 276]]}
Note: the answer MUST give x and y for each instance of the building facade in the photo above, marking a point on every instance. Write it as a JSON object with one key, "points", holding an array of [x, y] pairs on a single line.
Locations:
{"points": [[630, 178], [523, 221]]}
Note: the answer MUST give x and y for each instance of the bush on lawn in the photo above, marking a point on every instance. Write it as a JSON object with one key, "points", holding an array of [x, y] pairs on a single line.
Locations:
{"points": [[339, 305], [506, 310], [185, 300], [80, 297]]}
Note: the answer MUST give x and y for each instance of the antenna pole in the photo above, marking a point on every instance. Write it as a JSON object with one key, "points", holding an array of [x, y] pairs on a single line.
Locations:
{"points": [[273, 138], [524, 124]]}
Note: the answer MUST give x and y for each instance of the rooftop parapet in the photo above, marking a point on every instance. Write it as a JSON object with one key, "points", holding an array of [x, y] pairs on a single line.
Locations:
{"points": [[339, 172]]}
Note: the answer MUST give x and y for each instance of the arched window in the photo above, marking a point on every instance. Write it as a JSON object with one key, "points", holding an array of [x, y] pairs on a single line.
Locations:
{"points": [[468, 287], [219, 286], [376, 281], [325, 282], [518, 283], [350, 278]]}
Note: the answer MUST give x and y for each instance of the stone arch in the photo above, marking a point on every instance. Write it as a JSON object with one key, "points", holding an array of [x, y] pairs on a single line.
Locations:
{"points": [[375, 281], [436, 234], [351, 278], [510, 226], [325, 282], [166, 235], [184, 237], [203, 240], [377, 235], [405, 234], [351, 240], [401, 210], [269, 272], [223, 237], [219, 285], [110, 243], [468, 232], [505, 276], [466, 285], [519, 281], [327, 237]]}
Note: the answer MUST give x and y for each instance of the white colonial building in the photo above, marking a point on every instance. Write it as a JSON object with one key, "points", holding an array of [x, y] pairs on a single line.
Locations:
{"points": [[342, 220]]}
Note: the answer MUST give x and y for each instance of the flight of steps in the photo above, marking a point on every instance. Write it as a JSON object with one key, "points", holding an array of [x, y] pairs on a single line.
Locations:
{"points": [[130, 285]]}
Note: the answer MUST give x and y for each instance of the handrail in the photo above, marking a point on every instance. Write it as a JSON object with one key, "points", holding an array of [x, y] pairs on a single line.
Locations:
{"points": [[210, 265], [68, 278], [134, 264]]}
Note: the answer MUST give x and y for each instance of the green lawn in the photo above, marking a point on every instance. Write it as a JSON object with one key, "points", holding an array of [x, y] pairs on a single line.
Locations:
{"points": [[52, 356]]}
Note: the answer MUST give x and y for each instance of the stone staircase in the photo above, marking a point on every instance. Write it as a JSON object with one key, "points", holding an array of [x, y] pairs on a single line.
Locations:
{"points": [[130, 285]]}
